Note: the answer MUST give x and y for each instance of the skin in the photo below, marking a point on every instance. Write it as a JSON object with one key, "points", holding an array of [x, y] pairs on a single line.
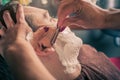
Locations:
{"points": [[87, 15], [48, 57], [18, 52]]}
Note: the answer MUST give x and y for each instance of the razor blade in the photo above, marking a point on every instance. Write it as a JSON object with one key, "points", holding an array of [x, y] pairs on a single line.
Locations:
{"points": [[55, 36]]}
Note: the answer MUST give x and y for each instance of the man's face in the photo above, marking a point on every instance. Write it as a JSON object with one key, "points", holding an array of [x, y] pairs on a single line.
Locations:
{"points": [[43, 26]]}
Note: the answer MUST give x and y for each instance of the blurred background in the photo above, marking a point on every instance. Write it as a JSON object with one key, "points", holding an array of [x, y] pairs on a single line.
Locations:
{"points": [[107, 41]]}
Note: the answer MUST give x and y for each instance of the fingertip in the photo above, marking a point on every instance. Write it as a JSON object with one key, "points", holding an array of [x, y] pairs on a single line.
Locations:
{"points": [[62, 28], [20, 6], [20, 14], [5, 13], [61, 25], [8, 19], [60, 22]]}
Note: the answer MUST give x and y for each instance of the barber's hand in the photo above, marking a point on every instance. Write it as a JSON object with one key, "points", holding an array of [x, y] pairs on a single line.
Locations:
{"points": [[15, 33], [87, 14]]}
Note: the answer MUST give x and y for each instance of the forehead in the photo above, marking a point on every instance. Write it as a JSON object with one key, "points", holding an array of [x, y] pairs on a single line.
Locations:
{"points": [[37, 17], [30, 9], [42, 14]]}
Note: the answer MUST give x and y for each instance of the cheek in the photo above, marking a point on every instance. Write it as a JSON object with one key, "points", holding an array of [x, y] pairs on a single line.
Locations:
{"points": [[45, 41]]}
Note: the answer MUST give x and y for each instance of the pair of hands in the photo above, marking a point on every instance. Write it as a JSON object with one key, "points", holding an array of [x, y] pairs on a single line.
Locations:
{"points": [[86, 15], [15, 33]]}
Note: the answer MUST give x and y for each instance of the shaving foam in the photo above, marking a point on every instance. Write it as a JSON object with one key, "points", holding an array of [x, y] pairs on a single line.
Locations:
{"points": [[67, 47]]}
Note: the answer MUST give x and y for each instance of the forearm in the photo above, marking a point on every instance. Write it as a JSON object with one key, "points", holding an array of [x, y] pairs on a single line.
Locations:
{"points": [[25, 65], [112, 20]]}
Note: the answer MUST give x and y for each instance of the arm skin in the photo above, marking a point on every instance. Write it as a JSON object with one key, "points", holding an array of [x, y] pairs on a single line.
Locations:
{"points": [[18, 52], [24, 62], [112, 20], [88, 16]]}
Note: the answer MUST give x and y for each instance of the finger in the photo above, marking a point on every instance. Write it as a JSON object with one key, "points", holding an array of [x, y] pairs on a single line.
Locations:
{"points": [[2, 32], [64, 10], [20, 14], [42, 31], [74, 23], [8, 20]]}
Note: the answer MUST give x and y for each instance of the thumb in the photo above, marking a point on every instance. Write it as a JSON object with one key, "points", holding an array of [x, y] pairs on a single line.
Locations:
{"points": [[65, 9], [74, 23]]}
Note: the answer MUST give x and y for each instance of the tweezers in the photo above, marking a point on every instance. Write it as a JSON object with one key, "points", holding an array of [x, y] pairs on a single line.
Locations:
{"points": [[55, 35]]}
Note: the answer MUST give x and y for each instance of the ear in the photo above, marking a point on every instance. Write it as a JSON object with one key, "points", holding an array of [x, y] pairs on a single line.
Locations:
{"points": [[46, 52]]}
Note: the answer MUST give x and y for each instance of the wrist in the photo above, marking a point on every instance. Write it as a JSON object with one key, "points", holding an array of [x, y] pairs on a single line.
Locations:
{"points": [[112, 19], [107, 21], [10, 49], [100, 18], [16, 47]]}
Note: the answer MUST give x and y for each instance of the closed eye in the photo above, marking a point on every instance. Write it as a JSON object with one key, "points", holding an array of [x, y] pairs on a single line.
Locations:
{"points": [[43, 47], [46, 15]]}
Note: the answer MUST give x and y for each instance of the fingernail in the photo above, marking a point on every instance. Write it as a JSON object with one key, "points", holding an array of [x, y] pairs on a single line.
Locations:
{"points": [[19, 5], [46, 29], [62, 28]]}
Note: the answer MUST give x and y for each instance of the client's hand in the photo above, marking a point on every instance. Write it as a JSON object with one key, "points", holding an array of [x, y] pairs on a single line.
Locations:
{"points": [[15, 33], [18, 52]]}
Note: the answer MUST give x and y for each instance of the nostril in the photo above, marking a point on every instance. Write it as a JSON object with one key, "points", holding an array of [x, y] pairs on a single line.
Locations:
{"points": [[46, 29]]}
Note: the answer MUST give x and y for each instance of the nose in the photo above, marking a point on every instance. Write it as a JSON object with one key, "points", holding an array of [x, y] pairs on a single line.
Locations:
{"points": [[50, 34]]}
